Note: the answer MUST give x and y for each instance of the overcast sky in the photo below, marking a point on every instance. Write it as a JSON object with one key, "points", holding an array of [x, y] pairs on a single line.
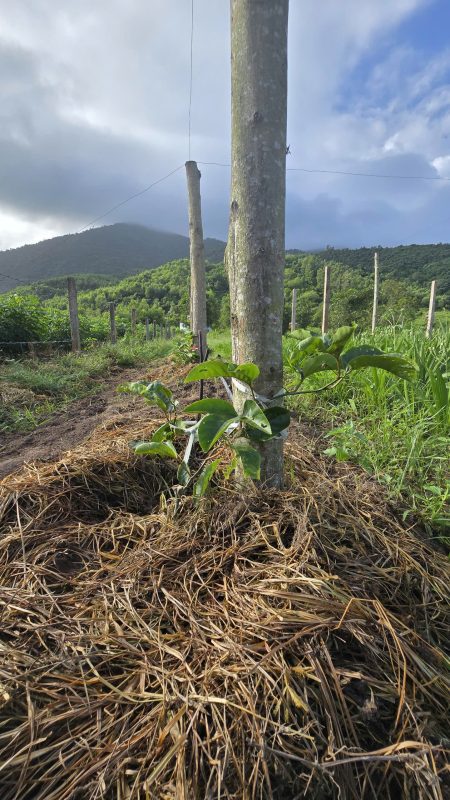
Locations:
{"points": [[94, 107]]}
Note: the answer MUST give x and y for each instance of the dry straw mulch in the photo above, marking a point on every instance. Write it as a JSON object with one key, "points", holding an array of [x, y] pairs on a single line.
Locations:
{"points": [[276, 645]]}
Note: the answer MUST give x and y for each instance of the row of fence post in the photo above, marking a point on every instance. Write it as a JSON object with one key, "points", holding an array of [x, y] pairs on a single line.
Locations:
{"points": [[376, 286], [155, 331]]}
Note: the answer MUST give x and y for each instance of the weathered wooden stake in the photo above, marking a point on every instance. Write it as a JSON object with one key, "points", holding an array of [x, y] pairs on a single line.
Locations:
{"points": [[376, 280], [73, 313], [431, 308], [133, 321], [197, 252], [294, 310], [112, 320], [147, 329], [326, 299]]}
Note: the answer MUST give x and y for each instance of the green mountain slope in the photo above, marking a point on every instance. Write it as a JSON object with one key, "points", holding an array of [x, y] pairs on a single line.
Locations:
{"points": [[113, 250]]}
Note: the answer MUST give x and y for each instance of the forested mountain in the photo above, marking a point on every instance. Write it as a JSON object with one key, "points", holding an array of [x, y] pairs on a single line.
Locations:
{"points": [[420, 263], [116, 250]]}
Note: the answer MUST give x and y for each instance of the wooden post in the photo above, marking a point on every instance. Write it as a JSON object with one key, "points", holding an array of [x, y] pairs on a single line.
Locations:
{"points": [[326, 299], [133, 322], [375, 292], [112, 320], [197, 251], [73, 312], [154, 328], [431, 308], [32, 351], [147, 329], [294, 310]]}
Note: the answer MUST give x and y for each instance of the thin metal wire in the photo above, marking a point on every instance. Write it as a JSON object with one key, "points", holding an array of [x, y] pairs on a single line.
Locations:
{"points": [[341, 172], [131, 197], [190, 79]]}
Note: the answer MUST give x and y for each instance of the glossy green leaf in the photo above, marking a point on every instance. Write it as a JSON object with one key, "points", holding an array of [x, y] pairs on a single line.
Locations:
{"points": [[299, 333], [319, 363], [390, 362], [279, 419], [340, 338], [211, 428], [246, 373], [311, 344], [222, 408], [363, 350], [250, 458], [207, 370], [254, 416], [161, 433], [165, 449], [204, 479], [154, 393]]}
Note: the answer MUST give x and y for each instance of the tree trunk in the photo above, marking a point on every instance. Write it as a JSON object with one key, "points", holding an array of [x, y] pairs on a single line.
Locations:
{"points": [[255, 254], [197, 252]]}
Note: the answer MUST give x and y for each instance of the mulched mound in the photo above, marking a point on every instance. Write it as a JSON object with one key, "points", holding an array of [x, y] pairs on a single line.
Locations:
{"points": [[274, 645]]}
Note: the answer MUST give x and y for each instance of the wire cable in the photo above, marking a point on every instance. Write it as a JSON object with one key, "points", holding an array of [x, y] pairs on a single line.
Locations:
{"points": [[131, 197], [341, 172], [190, 79]]}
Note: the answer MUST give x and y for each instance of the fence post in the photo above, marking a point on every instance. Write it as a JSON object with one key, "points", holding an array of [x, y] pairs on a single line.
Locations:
{"points": [[154, 328], [112, 321], [376, 279], [326, 299], [133, 321], [431, 308], [147, 329], [294, 310], [197, 252], [73, 313]]}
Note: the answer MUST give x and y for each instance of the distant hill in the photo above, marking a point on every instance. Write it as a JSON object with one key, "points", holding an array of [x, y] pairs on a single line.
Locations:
{"points": [[114, 250], [420, 263]]}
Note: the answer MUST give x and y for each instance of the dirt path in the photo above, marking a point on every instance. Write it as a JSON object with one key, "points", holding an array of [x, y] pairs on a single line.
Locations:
{"points": [[71, 426]]}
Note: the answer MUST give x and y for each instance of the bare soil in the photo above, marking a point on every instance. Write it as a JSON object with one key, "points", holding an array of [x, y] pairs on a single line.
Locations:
{"points": [[69, 428]]}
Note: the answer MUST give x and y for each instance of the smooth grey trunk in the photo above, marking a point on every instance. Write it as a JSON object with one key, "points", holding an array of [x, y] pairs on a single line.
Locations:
{"points": [[326, 299], [376, 281], [431, 308], [73, 314], [255, 253], [133, 321], [294, 310], [112, 321], [197, 252]]}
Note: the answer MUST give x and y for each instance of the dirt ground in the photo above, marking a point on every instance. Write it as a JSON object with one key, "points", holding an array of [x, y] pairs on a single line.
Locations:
{"points": [[74, 424]]}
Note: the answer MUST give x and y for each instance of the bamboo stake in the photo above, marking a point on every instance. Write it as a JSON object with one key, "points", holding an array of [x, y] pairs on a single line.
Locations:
{"points": [[294, 310], [376, 278], [326, 299], [431, 309]]}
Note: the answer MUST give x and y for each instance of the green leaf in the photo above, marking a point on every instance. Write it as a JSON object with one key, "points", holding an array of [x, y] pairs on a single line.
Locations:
{"points": [[211, 428], [250, 458], [254, 416], [311, 344], [246, 372], [279, 419], [299, 333], [165, 449], [154, 393], [390, 362], [208, 369], [340, 338], [161, 433], [183, 474], [354, 352], [222, 408], [204, 479], [318, 363]]}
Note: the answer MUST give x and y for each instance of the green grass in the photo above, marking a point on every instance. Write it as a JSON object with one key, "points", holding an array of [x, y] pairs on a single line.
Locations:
{"points": [[399, 432], [46, 386]]}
